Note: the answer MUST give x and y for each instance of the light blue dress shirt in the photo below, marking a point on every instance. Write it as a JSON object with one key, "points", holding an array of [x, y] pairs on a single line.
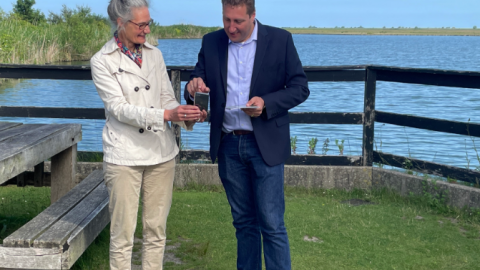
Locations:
{"points": [[241, 57]]}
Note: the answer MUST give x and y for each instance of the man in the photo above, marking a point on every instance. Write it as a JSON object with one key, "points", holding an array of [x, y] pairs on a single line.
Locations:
{"points": [[250, 64]]}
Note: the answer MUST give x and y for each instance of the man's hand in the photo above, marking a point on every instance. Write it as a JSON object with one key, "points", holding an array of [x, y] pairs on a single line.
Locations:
{"points": [[184, 113], [197, 85], [255, 101]]}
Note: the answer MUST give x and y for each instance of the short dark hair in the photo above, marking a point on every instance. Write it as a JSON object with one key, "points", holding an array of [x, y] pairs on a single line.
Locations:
{"points": [[249, 3]]}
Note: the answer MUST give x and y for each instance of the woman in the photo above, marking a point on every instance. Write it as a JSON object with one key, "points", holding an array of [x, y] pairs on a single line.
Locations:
{"points": [[138, 144]]}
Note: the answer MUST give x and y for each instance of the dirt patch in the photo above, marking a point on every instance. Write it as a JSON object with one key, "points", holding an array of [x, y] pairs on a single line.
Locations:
{"points": [[452, 220], [356, 202], [169, 256]]}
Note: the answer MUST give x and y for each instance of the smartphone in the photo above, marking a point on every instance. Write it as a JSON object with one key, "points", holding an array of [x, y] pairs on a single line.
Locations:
{"points": [[201, 100]]}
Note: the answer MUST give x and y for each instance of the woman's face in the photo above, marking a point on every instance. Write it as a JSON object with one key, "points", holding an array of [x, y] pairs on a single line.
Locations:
{"points": [[133, 33]]}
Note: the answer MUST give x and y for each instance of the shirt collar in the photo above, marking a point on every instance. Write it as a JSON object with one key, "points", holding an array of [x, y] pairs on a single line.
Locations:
{"points": [[252, 37]]}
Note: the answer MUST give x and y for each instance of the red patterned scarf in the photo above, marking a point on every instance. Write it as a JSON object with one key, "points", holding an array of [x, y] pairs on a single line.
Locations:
{"points": [[136, 55]]}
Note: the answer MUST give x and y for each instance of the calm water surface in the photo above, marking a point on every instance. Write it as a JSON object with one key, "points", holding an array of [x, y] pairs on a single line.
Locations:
{"points": [[455, 53]]}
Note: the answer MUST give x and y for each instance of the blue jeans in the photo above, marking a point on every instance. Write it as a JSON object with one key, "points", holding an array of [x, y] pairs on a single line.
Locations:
{"points": [[255, 193]]}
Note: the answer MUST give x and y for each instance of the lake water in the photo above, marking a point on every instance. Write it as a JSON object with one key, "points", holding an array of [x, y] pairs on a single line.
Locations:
{"points": [[455, 53]]}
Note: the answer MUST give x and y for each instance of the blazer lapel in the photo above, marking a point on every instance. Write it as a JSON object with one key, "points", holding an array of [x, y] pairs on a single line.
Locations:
{"points": [[223, 60], [262, 44]]}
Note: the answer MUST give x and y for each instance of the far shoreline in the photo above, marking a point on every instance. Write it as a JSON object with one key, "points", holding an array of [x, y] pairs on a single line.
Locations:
{"points": [[386, 31]]}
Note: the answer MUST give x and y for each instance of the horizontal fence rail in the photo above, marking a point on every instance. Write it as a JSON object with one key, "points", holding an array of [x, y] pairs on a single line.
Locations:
{"points": [[437, 77], [369, 74], [426, 167], [453, 127], [200, 155], [11, 71], [99, 114]]}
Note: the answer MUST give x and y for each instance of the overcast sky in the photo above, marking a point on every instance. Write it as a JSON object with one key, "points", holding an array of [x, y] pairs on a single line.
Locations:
{"points": [[302, 13]]}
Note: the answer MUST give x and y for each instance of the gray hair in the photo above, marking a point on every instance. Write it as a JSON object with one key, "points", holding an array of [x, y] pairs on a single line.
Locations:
{"points": [[123, 9]]}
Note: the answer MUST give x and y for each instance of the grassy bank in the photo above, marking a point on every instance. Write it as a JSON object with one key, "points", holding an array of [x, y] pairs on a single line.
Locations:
{"points": [[387, 31], [75, 39], [392, 233], [180, 31], [80, 36]]}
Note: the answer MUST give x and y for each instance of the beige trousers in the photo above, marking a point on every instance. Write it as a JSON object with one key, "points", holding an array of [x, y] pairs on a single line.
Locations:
{"points": [[124, 184]]}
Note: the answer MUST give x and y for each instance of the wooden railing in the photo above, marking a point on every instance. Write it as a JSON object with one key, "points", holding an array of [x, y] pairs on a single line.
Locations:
{"points": [[368, 74]]}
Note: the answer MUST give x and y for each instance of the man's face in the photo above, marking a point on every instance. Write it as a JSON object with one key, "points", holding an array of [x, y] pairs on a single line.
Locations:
{"points": [[237, 23]]}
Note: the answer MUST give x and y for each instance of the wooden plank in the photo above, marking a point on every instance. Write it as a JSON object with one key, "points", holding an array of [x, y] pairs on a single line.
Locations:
{"points": [[17, 130], [369, 117], [50, 112], [177, 89], [7, 125], [202, 155], [45, 72], [464, 79], [99, 113], [31, 135], [64, 173], [21, 182], [335, 75], [326, 118], [22, 152], [25, 236], [454, 127], [425, 70], [324, 160], [38, 175], [30, 258], [56, 72], [85, 233], [427, 167], [57, 235]]}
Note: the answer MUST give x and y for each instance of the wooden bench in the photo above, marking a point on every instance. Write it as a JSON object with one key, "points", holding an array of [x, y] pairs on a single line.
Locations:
{"points": [[24, 146], [57, 237]]}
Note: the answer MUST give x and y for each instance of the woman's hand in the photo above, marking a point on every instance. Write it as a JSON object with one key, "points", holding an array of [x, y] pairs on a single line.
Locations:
{"points": [[184, 113], [202, 117]]}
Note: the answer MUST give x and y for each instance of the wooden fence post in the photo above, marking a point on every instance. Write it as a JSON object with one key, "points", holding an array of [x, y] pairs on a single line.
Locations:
{"points": [[38, 175], [177, 89], [369, 116]]}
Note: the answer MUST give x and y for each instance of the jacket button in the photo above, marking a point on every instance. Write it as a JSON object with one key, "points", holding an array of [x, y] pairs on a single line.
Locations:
{"points": [[149, 128], [120, 70], [141, 130], [147, 87], [136, 89]]}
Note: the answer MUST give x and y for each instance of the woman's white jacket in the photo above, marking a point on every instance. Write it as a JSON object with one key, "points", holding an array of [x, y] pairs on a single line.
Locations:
{"points": [[135, 99]]}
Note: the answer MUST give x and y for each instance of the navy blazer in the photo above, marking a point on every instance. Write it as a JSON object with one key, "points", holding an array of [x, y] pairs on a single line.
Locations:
{"points": [[277, 77]]}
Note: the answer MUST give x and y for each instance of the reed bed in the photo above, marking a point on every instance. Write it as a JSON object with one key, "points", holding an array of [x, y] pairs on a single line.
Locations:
{"points": [[47, 43], [76, 40]]}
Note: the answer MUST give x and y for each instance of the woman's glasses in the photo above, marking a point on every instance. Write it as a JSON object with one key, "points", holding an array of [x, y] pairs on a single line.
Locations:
{"points": [[142, 26]]}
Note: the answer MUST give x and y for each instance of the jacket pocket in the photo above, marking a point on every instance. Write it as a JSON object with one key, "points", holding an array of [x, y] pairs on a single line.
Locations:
{"points": [[282, 120], [110, 136]]}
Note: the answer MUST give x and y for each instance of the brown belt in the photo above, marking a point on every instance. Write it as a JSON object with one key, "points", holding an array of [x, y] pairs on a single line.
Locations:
{"points": [[241, 132]]}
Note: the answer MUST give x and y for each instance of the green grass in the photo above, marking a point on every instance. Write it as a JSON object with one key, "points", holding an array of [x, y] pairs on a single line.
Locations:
{"points": [[19, 205], [386, 235], [78, 38]]}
